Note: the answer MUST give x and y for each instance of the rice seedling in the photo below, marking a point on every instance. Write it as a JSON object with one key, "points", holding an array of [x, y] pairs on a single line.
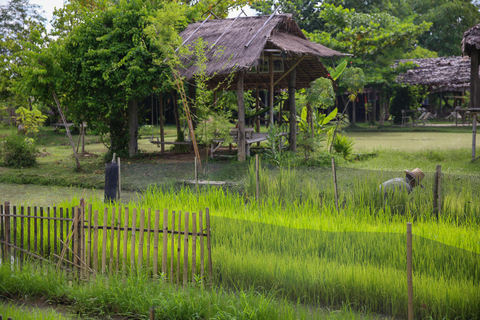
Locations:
{"points": [[27, 313]]}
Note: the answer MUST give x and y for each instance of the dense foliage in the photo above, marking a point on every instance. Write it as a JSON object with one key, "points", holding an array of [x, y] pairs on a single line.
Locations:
{"points": [[18, 152]]}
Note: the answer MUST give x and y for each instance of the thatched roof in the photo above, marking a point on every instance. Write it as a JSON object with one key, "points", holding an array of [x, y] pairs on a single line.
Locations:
{"points": [[471, 40], [439, 74], [246, 40]]}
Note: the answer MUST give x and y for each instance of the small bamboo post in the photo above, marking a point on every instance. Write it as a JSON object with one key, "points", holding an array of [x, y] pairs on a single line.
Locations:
{"points": [[22, 233], [35, 229], [61, 227], [335, 190], [257, 177], [14, 217], [89, 244], [134, 228], [81, 238], [185, 251], [104, 242], [125, 243], [194, 246], [152, 314], [179, 244], [409, 271], [54, 229], [148, 240], [165, 243], [2, 231], [41, 231], [155, 243], [95, 241], [202, 248], [172, 247], [119, 180], [436, 191], [438, 173], [76, 250], [209, 246], [48, 232], [140, 239], [111, 264], [119, 241]]}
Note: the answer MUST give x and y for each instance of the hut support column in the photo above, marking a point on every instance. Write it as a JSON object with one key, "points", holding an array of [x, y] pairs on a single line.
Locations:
{"points": [[241, 118], [293, 110], [271, 89], [474, 138], [257, 108]]}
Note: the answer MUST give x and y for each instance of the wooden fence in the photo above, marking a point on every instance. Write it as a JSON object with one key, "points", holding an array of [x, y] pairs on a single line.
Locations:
{"points": [[127, 241]]}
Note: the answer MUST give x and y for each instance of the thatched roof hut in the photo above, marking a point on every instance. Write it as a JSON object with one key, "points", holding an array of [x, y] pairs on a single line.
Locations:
{"points": [[445, 74], [471, 40], [246, 43]]}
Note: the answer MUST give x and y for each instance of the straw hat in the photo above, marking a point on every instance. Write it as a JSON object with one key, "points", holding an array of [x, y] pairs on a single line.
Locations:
{"points": [[416, 174]]}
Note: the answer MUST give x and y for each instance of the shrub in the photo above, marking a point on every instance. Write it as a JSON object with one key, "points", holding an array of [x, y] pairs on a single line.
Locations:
{"points": [[343, 145], [18, 152]]}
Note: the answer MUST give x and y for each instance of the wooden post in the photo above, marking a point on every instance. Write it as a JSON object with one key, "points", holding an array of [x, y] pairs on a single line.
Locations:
{"points": [[22, 231], [35, 229], [125, 243], [165, 243], [162, 131], [75, 237], [119, 180], [7, 231], [436, 192], [257, 178], [140, 239], [257, 108], [185, 251], [202, 249], [155, 243], [14, 234], [409, 271], [149, 218], [111, 264], [104, 242], [179, 244], [474, 138], [152, 310], [272, 102], [209, 247], [41, 230], [335, 190], [132, 244], [172, 247], [241, 118], [119, 228], [196, 175], [81, 238], [95, 241], [194, 246], [293, 110], [89, 244]]}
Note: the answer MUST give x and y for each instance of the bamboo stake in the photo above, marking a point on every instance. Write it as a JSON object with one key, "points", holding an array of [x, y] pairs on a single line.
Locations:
{"points": [[257, 178], [81, 235], [409, 271], [134, 227], [185, 251], [95, 242], [119, 228], [2, 234], [89, 245], [22, 231], [439, 191], [194, 246], [75, 237], [111, 264], [334, 175], [41, 231], [148, 240], [29, 227], [172, 248], [125, 243], [179, 245], [165, 243], [35, 229], [209, 246], [48, 231], [155, 243], [54, 229], [140, 239], [119, 180], [14, 218], [104, 242], [202, 249]]}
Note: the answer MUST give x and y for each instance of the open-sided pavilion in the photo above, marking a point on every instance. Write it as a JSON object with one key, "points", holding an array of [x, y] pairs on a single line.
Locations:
{"points": [[261, 53]]}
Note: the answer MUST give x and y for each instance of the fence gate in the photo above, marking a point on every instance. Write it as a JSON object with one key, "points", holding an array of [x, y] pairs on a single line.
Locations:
{"points": [[123, 242]]}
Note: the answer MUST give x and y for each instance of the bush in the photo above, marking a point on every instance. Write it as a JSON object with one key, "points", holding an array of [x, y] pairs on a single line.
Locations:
{"points": [[18, 152]]}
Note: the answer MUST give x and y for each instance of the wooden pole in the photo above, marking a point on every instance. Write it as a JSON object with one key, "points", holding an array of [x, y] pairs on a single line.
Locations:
{"points": [[270, 67], [119, 179], [95, 241], [179, 244], [334, 175], [209, 246], [293, 110], [119, 241], [474, 138], [140, 239], [202, 249], [185, 251], [196, 174], [437, 191], [125, 244], [257, 177], [7, 230], [194, 246], [104, 241], [152, 310], [165, 243], [409, 271], [59, 107], [155, 243], [172, 247], [241, 118]]}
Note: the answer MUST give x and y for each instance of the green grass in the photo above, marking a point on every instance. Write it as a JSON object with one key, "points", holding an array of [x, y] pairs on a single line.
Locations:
{"points": [[134, 297], [16, 312]]}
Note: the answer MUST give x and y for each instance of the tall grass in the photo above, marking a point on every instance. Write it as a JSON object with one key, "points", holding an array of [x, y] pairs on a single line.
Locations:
{"points": [[134, 297], [293, 240], [27, 313]]}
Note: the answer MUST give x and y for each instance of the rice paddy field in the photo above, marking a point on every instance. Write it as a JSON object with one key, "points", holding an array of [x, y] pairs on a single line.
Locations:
{"points": [[293, 241]]}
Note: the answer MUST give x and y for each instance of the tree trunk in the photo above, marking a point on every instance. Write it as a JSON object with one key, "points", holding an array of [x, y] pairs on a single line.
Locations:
{"points": [[177, 118], [132, 127], [353, 111], [241, 118], [192, 100]]}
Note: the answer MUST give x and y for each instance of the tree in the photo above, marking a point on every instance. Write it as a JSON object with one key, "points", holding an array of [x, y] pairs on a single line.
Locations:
{"points": [[112, 63]]}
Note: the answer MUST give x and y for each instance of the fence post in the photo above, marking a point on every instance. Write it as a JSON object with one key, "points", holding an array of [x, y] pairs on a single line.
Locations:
{"points": [[152, 314], [209, 246], [334, 175], [165, 243], [409, 271], [437, 192], [7, 230], [257, 177], [185, 250]]}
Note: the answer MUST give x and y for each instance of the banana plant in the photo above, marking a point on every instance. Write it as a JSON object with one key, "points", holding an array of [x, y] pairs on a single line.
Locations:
{"points": [[318, 121]]}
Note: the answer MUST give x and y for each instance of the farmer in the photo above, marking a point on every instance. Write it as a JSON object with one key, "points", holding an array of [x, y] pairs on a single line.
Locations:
{"points": [[411, 180]]}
